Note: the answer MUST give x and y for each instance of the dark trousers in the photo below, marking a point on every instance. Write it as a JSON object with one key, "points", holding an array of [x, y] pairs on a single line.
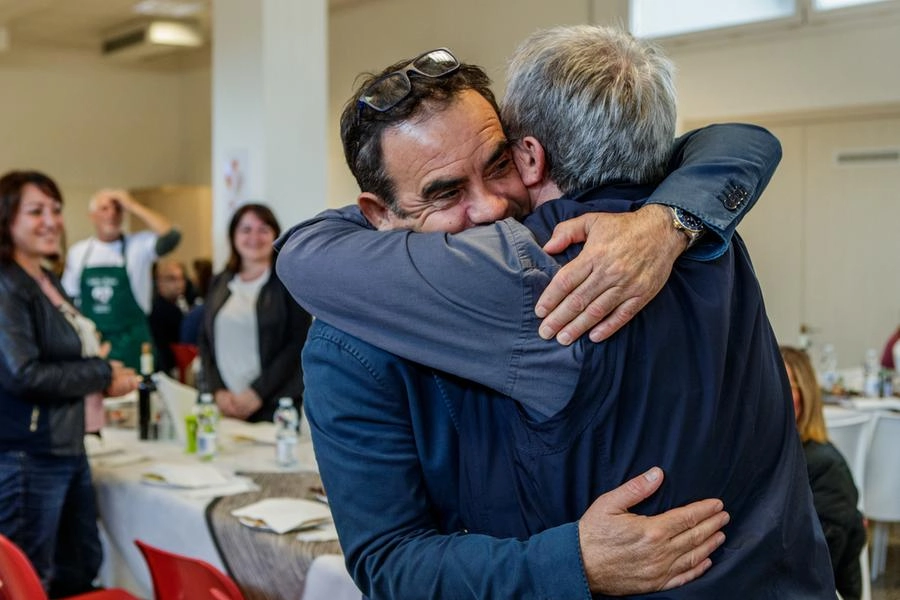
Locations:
{"points": [[48, 508]]}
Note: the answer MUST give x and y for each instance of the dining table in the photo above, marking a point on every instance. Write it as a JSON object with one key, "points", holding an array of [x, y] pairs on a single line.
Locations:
{"points": [[196, 520]]}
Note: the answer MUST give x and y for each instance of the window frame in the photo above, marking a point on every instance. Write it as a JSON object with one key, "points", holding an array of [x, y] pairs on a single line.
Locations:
{"points": [[805, 16]]}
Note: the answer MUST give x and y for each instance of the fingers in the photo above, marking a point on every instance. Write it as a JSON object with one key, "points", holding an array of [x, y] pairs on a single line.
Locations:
{"points": [[701, 541], [632, 491], [697, 536], [689, 525], [616, 319], [687, 576], [564, 290], [565, 234], [606, 314]]}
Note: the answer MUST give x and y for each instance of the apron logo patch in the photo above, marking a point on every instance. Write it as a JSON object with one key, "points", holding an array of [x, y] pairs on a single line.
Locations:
{"points": [[102, 294]]}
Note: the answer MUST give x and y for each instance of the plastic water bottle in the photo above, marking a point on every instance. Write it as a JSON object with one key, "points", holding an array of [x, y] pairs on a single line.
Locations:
{"points": [[871, 374], [207, 427], [287, 424], [828, 361]]}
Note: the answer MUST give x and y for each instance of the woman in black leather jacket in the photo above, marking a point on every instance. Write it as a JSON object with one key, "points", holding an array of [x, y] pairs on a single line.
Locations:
{"points": [[834, 494], [47, 502]]}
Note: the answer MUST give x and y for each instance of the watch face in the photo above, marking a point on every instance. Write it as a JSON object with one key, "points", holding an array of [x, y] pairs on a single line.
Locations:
{"points": [[688, 220]]}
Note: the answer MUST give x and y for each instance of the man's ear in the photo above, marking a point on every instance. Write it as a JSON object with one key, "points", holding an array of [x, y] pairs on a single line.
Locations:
{"points": [[375, 210], [530, 160]]}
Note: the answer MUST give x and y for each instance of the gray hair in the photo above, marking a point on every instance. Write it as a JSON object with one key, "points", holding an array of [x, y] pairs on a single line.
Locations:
{"points": [[601, 103]]}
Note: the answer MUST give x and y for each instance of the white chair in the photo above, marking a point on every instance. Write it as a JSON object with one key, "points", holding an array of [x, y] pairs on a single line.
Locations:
{"points": [[328, 579], [851, 434], [882, 499]]}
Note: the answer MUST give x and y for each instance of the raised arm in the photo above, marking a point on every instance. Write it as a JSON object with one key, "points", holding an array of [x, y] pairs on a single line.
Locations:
{"points": [[716, 173], [459, 303]]}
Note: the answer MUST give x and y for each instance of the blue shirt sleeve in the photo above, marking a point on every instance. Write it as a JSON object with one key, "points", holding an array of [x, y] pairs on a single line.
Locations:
{"points": [[460, 303], [397, 541]]}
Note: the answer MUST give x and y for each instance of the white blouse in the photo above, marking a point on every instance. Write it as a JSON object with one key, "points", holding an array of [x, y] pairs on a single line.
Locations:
{"points": [[237, 335]]}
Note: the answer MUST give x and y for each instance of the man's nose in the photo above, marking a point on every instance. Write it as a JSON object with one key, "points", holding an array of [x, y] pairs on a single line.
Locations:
{"points": [[487, 208]]}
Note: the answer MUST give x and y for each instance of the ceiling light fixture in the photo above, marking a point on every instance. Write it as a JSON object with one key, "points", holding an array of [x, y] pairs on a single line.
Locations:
{"points": [[169, 8]]}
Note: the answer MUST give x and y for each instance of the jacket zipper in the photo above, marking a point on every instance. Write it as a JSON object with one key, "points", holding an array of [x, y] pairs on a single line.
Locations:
{"points": [[35, 415]]}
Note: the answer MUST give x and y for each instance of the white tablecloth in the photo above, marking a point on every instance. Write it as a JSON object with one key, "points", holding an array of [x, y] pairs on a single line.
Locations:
{"points": [[165, 517]]}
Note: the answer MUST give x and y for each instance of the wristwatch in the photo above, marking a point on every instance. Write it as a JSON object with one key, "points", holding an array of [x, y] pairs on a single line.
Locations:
{"points": [[688, 224]]}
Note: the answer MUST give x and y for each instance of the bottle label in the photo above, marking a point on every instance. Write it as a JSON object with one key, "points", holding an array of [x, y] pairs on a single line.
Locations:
{"points": [[285, 451], [206, 444]]}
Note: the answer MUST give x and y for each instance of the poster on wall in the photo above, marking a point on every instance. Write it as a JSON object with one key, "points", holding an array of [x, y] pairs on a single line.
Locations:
{"points": [[236, 178]]}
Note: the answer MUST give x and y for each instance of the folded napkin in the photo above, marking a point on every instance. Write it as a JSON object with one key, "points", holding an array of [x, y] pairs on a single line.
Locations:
{"points": [[320, 533], [236, 485], [183, 475], [283, 514], [260, 433]]}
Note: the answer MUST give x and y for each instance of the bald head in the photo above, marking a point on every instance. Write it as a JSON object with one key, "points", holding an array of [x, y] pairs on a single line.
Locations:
{"points": [[105, 212]]}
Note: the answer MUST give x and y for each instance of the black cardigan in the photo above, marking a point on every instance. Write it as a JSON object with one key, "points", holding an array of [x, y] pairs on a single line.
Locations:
{"points": [[283, 326], [835, 497]]}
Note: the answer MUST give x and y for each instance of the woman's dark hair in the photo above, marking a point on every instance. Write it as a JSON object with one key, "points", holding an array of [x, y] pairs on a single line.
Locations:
{"points": [[265, 214], [11, 186]]}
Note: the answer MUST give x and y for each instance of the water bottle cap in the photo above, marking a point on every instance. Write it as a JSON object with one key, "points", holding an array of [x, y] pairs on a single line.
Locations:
{"points": [[206, 398], [285, 402]]}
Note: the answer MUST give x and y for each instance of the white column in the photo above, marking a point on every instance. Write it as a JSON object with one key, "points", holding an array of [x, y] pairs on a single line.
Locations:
{"points": [[270, 112]]}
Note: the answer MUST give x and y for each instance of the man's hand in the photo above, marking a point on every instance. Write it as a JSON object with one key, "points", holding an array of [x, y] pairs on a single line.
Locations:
{"points": [[627, 258], [625, 553]]}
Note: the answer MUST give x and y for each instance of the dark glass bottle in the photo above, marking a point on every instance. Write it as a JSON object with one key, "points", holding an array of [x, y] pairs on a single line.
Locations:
{"points": [[146, 390]]}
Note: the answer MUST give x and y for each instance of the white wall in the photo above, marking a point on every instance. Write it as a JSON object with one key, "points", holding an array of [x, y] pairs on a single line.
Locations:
{"points": [[789, 71], [89, 123]]}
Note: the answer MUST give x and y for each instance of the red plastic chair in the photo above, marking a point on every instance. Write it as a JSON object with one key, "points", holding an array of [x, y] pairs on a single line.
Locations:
{"points": [[184, 355], [178, 577], [19, 580]]}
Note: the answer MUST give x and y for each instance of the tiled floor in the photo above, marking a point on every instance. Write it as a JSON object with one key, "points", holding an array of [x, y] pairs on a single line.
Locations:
{"points": [[888, 585]]}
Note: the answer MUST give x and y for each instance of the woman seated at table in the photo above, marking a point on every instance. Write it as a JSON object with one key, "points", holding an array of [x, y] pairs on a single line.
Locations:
{"points": [[834, 494], [253, 330], [47, 502]]}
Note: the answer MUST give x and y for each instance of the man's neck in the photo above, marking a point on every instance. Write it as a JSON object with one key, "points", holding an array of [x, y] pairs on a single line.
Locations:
{"points": [[109, 238], [542, 192]]}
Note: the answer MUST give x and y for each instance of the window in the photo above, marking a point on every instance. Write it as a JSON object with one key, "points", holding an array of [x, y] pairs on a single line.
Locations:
{"points": [[663, 18], [832, 4]]}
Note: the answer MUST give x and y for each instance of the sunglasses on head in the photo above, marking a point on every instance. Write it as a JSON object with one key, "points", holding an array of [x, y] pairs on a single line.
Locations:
{"points": [[388, 90]]}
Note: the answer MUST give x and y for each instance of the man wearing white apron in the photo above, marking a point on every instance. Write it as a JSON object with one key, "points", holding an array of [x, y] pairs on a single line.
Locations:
{"points": [[109, 274]]}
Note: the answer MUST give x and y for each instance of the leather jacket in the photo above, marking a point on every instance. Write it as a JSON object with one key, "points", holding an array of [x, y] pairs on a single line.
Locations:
{"points": [[43, 377]]}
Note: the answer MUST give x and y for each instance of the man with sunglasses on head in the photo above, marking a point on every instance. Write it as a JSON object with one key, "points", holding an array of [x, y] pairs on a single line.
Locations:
{"points": [[441, 487]]}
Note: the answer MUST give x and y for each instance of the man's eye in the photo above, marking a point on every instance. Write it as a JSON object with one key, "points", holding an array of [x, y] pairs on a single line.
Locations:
{"points": [[446, 197], [501, 167]]}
